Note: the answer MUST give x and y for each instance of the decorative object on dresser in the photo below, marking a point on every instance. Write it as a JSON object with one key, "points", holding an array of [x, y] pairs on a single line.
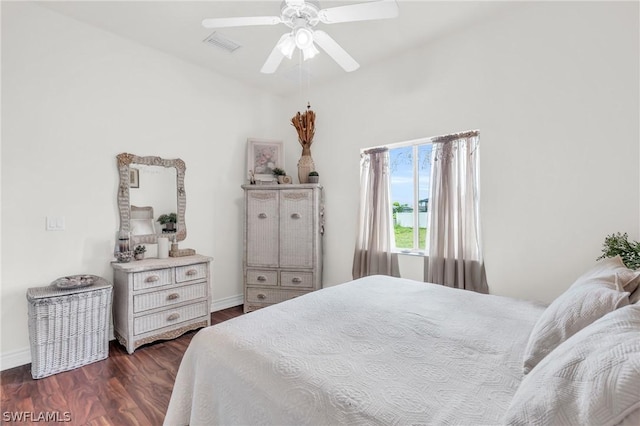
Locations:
{"points": [[122, 251], [263, 157], [69, 323], [283, 230], [305, 125], [163, 247], [182, 252], [160, 299], [281, 175], [314, 177], [139, 252]]}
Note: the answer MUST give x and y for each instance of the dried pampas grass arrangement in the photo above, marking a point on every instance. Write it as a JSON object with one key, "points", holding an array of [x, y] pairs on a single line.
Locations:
{"points": [[305, 125]]}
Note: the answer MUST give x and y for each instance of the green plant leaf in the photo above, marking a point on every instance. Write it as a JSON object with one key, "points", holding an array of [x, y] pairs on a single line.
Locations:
{"points": [[619, 245]]}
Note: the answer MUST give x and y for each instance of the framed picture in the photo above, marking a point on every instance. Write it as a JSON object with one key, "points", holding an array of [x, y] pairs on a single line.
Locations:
{"points": [[263, 156], [134, 178]]}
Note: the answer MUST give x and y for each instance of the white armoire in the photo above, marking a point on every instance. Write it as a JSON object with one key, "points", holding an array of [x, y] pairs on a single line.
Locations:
{"points": [[283, 230]]}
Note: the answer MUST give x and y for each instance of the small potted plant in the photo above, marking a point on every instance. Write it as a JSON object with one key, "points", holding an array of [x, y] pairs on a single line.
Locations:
{"points": [[139, 252], [279, 174], [314, 177], [169, 221]]}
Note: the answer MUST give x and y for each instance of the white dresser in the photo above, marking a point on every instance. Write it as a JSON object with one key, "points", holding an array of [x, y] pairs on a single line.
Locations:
{"points": [[159, 299], [283, 230]]}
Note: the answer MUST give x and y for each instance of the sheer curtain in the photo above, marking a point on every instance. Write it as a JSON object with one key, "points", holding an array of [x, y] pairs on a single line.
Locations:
{"points": [[455, 255], [375, 232]]}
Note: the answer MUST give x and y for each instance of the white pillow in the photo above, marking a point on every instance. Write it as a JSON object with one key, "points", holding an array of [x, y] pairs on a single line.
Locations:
{"points": [[629, 279], [593, 378], [593, 295], [612, 271]]}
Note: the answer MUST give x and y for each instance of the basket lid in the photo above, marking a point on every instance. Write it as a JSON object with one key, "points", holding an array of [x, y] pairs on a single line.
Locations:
{"points": [[68, 285]]}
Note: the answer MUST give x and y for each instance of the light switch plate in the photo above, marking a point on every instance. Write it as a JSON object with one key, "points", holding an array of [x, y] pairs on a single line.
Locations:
{"points": [[55, 223]]}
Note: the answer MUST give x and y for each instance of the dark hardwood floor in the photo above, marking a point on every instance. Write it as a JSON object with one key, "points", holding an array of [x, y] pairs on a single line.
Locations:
{"points": [[120, 390]]}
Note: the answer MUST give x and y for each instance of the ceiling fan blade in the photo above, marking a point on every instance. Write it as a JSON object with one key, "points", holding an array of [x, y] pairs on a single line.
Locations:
{"points": [[240, 21], [275, 57], [381, 9], [334, 50]]}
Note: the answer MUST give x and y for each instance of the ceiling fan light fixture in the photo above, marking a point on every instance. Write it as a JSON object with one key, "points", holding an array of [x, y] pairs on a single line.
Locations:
{"points": [[287, 46], [303, 38], [310, 52]]}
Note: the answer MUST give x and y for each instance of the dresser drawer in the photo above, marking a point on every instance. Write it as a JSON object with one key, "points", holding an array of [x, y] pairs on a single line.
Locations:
{"points": [[268, 295], [169, 317], [159, 299], [296, 279], [191, 272], [262, 277], [150, 279]]}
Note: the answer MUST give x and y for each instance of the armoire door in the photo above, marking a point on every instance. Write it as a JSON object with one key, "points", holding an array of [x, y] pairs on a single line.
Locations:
{"points": [[262, 228], [296, 228]]}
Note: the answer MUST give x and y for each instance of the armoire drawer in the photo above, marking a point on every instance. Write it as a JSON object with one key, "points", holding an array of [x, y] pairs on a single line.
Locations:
{"points": [[268, 295], [169, 317], [262, 277], [158, 299], [296, 279]]}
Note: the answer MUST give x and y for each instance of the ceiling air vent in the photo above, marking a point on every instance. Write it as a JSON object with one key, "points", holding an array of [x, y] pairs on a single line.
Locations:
{"points": [[215, 39]]}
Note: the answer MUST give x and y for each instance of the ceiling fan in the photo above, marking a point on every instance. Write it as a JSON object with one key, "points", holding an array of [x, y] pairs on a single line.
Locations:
{"points": [[302, 16]]}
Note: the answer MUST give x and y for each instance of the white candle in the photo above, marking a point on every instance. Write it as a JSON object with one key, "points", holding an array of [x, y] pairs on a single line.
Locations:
{"points": [[163, 247]]}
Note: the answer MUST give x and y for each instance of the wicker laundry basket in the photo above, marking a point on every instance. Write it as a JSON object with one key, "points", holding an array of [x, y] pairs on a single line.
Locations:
{"points": [[68, 327]]}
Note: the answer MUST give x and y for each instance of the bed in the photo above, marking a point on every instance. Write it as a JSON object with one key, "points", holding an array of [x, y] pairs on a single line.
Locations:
{"points": [[391, 351]]}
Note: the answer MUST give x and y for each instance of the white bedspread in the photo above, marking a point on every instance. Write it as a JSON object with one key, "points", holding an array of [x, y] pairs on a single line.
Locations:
{"points": [[378, 350]]}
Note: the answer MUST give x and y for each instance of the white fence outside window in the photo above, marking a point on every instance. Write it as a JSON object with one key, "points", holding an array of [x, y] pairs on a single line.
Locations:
{"points": [[406, 219]]}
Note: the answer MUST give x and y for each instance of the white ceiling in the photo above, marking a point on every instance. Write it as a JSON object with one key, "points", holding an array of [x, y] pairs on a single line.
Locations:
{"points": [[174, 27]]}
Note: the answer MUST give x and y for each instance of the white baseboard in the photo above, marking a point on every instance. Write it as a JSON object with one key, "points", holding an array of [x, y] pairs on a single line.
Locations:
{"points": [[227, 302], [22, 356], [15, 358]]}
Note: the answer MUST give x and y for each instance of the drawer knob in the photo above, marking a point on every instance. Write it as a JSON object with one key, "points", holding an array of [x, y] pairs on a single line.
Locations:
{"points": [[173, 317], [261, 296], [173, 296], [295, 216], [262, 216], [261, 278], [296, 280], [192, 272], [152, 279]]}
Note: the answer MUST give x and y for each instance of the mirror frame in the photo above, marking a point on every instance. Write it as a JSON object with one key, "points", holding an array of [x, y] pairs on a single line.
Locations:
{"points": [[124, 203]]}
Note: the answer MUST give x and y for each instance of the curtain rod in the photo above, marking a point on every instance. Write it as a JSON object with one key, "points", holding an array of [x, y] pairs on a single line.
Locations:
{"points": [[433, 139], [454, 136], [375, 150]]}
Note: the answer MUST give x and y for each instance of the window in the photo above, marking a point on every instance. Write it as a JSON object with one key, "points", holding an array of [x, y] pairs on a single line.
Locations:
{"points": [[410, 167]]}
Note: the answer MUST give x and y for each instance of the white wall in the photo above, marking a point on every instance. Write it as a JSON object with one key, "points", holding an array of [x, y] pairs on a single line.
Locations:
{"points": [[553, 89], [73, 97]]}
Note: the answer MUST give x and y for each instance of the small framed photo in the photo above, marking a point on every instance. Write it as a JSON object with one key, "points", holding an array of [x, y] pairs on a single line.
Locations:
{"points": [[134, 178], [264, 155]]}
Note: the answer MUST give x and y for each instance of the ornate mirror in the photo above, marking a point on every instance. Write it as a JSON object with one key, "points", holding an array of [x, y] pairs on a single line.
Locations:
{"points": [[151, 188]]}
